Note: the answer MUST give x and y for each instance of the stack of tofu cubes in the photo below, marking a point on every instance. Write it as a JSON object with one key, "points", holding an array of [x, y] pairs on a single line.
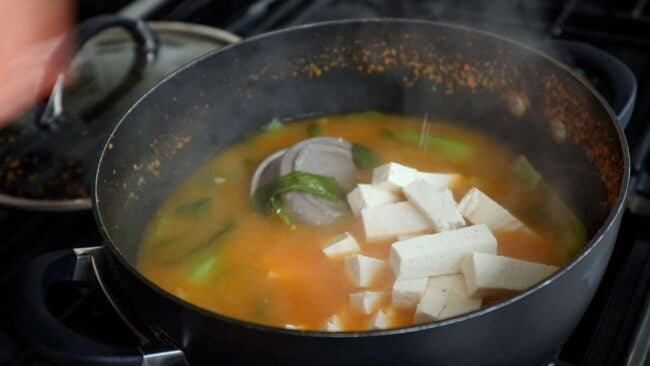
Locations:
{"points": [[444, 255]]}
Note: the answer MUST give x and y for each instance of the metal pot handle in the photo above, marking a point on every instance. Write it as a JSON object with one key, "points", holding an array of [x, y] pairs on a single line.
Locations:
{"points": [[617, 77], [54, 340], [51, 113]]}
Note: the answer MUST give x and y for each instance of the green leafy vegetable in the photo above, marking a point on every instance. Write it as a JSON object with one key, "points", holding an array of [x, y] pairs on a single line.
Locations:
{"points": [[200, 260], [364, 115], [164, 221], [569, 230], [201, 269], [522, 170], [197, 209], [314, 129], [274, 125], [268, 198], [363, 157], [250, 162], [452, 149], [388, 134], [262, 309], [573, 237], [164, 243]]}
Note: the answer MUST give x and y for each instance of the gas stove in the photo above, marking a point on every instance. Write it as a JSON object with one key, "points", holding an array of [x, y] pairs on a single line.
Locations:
{"points": [[616, 328]]}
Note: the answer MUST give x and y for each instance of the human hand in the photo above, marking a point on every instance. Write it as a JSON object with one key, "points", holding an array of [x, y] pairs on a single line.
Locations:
{"points": [[29, 32]]}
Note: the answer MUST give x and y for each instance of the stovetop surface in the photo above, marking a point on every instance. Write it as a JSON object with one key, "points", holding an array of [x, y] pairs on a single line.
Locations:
{"points": [[616, 328]]}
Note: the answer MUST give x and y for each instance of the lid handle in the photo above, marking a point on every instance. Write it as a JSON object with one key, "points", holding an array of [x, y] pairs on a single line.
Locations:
{"points": [[51, 113]]}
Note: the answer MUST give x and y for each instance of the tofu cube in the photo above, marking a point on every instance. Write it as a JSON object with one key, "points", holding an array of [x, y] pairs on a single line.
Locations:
{"points": [[367, 302], [383, 319], [489, 274], [478, 208], [392, 177], [333, 324], [363, 270], [438, 180], [454, 283], [393, 219], [432, 303], [458, 305], [441, 253], [365, 195], [445, 297], [407, 293], [341, 246], [436, 205], [407, 236]]}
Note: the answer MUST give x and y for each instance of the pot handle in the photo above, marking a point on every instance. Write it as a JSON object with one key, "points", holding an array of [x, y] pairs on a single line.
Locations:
{"points": [[54, 340], [51, 113], [611, 77]]}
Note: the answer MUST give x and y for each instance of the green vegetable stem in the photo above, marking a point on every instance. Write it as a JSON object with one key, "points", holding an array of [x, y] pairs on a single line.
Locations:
{"points": [[195, 210], [452, 149]]}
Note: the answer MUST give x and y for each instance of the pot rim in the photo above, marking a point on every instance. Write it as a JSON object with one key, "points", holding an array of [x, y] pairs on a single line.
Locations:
{"points": [[595, 240]]}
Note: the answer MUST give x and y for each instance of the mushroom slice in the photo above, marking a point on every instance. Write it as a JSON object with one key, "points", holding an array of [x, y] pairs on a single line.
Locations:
{"points": [[328, 156], [267, 171]]}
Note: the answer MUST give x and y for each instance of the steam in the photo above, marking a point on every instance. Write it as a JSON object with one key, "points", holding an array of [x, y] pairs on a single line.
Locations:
{"points": [[197, 100]]}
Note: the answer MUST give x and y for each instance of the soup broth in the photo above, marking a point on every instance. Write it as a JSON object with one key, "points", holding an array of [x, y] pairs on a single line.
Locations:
{"points": [[208, 245]]}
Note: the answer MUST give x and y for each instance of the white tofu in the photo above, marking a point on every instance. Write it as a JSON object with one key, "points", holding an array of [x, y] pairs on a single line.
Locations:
{"points": [[432, 303], [362, 269], [383, 320], [436, 205], [478, 208], [393, 219], [441, 253], [407, 236], [365, 195], [488, 274], [458, 305], [366, 302], [333, 324], [392, 177], [459, 301], [438, 180], [454, 283], [445, 297], [407, 293], [343, 245]]}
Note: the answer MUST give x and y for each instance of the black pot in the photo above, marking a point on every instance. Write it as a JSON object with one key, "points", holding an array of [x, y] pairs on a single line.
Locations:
{"points": [[475, 79]]}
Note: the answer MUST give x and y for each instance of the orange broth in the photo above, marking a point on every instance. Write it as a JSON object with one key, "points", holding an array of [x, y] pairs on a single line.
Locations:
{"points": [[260, 270]]}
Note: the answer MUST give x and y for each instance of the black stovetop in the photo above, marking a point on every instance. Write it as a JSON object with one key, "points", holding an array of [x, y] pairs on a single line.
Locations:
{"points": [[616, 328]]}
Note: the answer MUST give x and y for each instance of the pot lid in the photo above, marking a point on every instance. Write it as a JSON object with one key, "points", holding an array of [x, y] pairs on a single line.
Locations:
{"points": [[49, 154]]}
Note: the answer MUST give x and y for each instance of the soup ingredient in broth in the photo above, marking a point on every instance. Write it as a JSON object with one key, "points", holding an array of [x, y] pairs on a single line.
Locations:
{"points": [[268, 198], [364, 158], [324, 156], [452, 221]]}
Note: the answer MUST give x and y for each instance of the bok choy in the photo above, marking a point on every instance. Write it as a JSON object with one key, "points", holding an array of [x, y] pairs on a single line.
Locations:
{"points": [[363, 157], [268, 198]]}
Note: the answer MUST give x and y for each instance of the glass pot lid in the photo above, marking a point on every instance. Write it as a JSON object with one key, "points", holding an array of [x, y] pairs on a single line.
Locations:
{"points": [[49, 154]]}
